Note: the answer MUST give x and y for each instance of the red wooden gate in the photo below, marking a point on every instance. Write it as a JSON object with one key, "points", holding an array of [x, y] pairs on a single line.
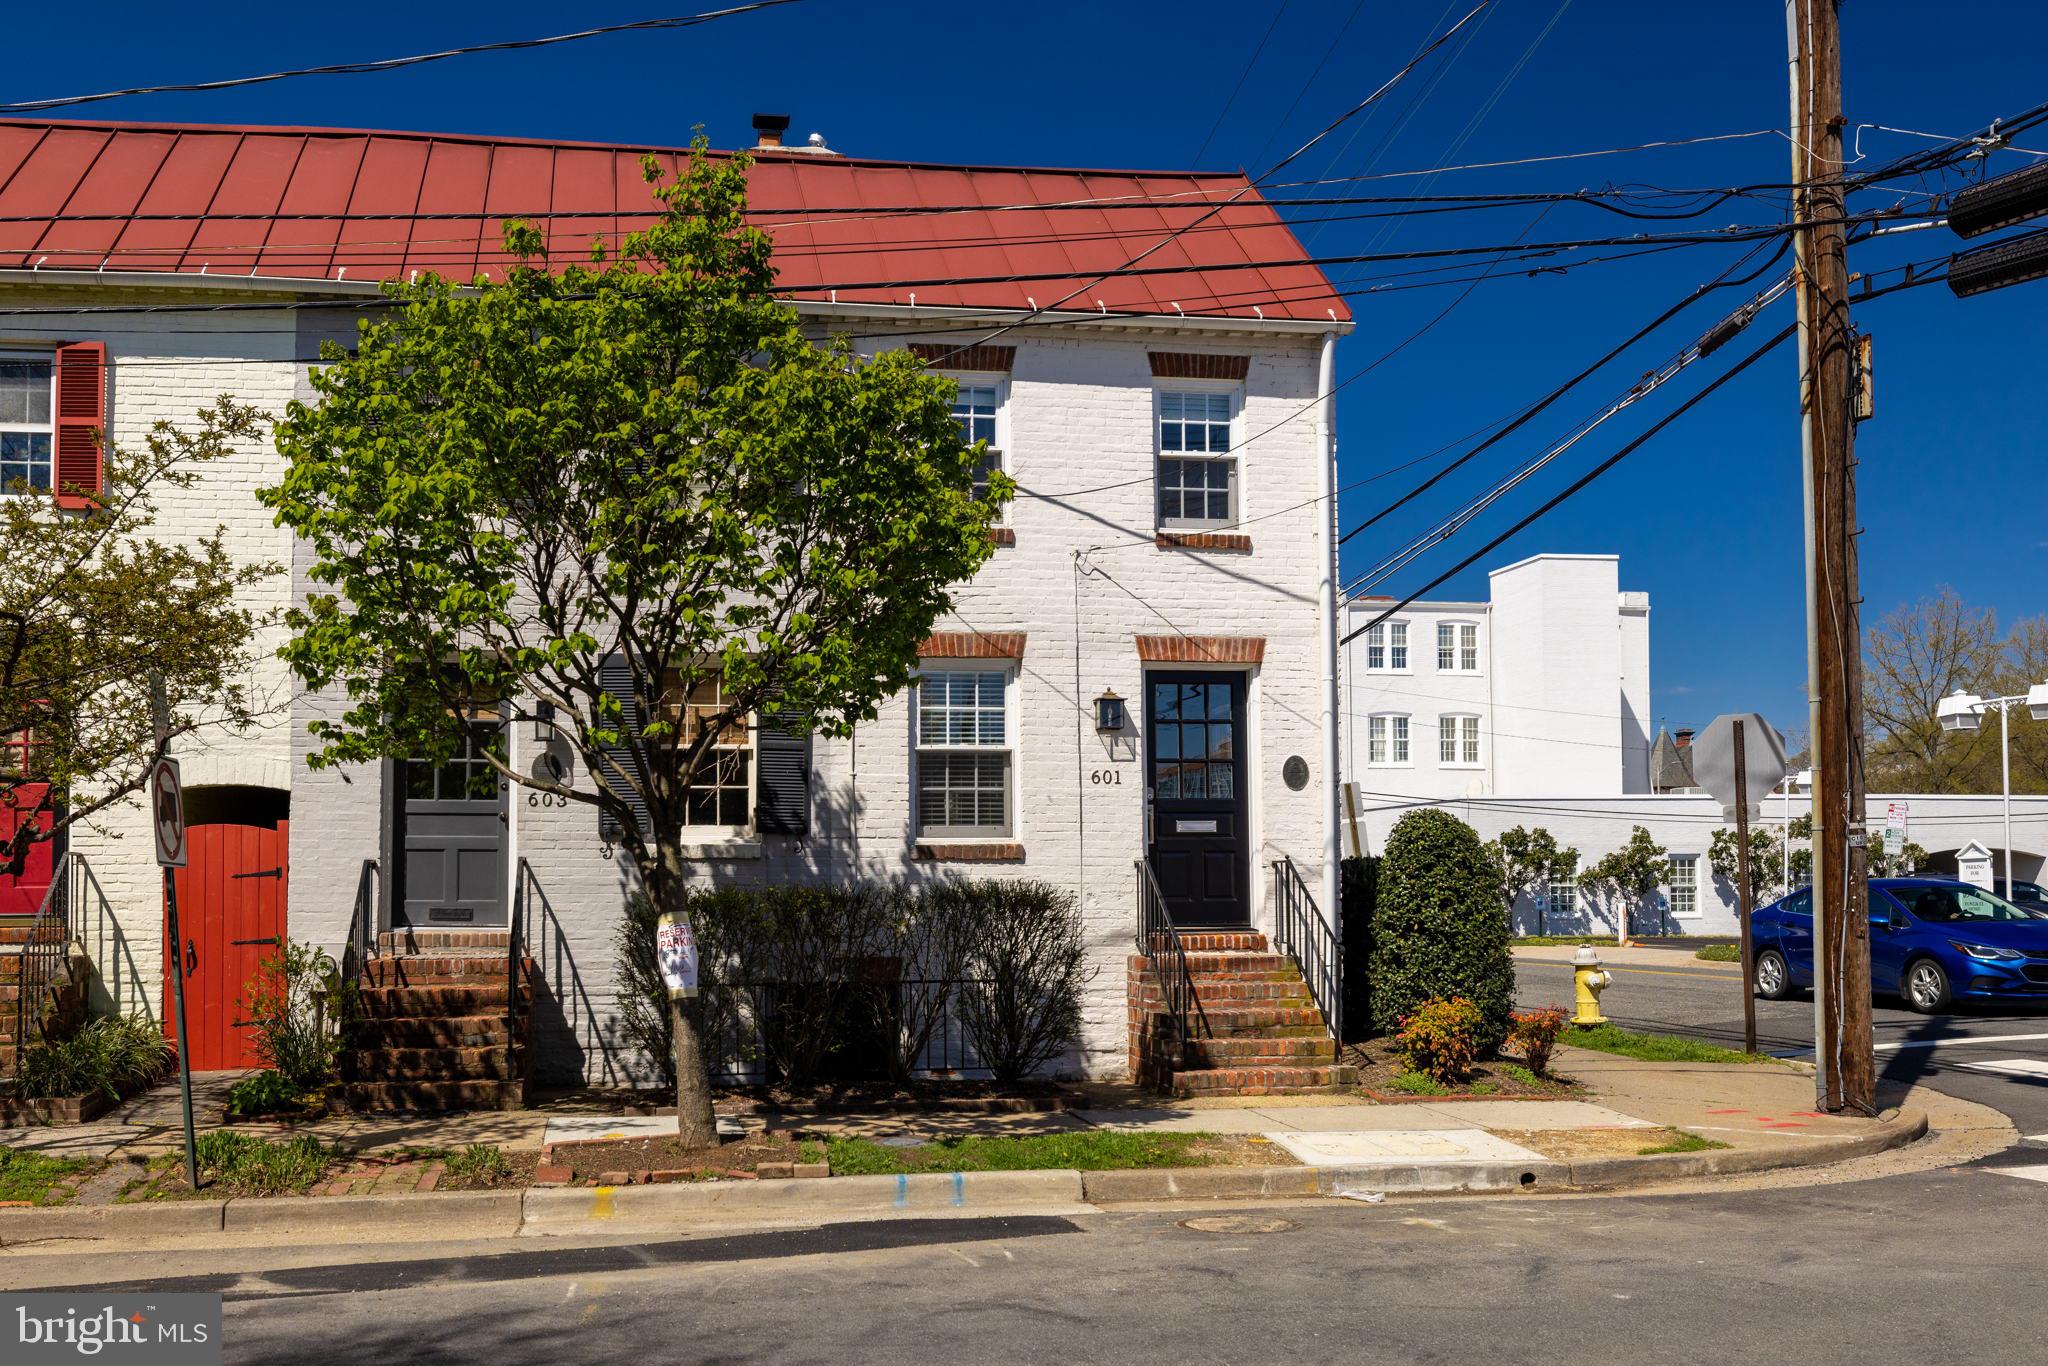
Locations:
{"points": [[22, 893], [231, 915]]}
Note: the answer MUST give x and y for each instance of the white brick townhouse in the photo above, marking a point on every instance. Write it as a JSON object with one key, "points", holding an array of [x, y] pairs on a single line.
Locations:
{"points": [[1533, 709], [1168, 549]]}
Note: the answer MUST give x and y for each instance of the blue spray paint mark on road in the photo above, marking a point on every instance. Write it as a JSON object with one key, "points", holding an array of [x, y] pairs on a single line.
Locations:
{"points": [[902, 1191], [959, 1188]]}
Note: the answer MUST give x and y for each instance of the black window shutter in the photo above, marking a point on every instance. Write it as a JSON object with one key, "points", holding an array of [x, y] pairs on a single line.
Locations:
{"points": [[615, 675], [782, 755]]}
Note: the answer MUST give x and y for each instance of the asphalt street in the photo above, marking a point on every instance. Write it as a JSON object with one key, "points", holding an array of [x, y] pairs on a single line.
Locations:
{"points": [[1940, 1266], [1994, 1055]]}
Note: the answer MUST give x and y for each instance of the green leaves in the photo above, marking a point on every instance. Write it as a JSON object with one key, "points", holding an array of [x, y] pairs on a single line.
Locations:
{"points": [[1438, 931]]}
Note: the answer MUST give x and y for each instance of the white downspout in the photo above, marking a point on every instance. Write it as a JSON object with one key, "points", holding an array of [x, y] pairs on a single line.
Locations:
{"points": [[1326, 619]]}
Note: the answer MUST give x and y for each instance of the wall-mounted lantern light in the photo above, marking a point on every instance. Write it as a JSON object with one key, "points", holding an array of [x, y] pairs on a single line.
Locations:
{"points": [[543, 720], [1109, 712]]}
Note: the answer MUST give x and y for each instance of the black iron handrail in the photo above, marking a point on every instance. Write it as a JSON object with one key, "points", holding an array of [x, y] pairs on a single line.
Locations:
{"points": [[1159, 941], [1300, 932], [43, 954], [362, 926], [515, 955]]}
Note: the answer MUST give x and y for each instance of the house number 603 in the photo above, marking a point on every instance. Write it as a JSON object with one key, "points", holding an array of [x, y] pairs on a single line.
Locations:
{"points": [[545, 799], [1107, 777]]}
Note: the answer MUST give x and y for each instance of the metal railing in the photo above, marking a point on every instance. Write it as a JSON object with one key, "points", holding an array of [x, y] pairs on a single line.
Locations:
{"points": [[44, 955], [1300, 932], [515, 956], [1159, 941], [362, 925], [879, 1020]]}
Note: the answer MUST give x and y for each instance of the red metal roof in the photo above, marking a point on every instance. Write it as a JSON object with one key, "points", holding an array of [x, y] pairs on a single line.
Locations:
{"points": [[333, 204]]}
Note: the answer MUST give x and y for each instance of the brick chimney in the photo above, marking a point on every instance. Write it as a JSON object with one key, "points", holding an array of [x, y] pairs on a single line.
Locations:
{"points": [[768, 130], [1682, 738]]}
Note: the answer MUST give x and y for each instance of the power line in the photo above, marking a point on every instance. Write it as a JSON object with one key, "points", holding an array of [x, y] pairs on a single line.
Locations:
{"points": [[393, 63], [1243, 76]]}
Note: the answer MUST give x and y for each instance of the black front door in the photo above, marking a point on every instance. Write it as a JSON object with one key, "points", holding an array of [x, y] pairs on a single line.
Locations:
{"points": [[451, 836], [1200, 850]]}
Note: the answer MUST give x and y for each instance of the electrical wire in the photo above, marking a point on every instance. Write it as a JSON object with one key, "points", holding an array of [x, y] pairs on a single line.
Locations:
{"points": [[393, 63], [1243, 76]]}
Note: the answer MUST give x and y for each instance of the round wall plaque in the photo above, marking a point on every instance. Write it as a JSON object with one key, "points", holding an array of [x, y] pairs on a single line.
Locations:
{"points": [[1295, 773]]}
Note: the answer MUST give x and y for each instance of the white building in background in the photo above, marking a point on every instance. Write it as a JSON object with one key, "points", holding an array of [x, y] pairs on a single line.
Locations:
{"points": [[1533, 709]]}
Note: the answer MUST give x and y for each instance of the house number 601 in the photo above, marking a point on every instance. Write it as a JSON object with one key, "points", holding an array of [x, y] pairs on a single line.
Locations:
{"points": [[1107, 777]]}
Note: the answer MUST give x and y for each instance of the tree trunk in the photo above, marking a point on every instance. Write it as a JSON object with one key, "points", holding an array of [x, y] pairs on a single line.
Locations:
{"points": [[696, 1126]]}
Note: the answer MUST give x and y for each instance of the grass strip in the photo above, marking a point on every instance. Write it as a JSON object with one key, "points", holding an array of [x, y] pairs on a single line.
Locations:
{"points": [[30, 1175], [1682, 1141], [1629, 1043], [1720, 953], [1099, 1150]]}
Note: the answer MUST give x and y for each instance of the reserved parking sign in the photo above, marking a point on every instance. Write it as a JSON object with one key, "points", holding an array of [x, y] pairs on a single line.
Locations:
{"points": [[675, 947]]}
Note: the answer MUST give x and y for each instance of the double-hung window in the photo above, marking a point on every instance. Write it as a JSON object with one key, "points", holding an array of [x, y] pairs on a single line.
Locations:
{"points": [[27, 432], [1387, 739], [1457, 743], [1197, 471], [975, 405], [963, 754], [1386, 647], [1457, 647], [720, 793], [1685, 884], [1558, 896]]}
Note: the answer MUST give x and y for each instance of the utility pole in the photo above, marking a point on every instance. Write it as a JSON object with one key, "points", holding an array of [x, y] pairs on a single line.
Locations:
{"points": [[1846, 1073]]}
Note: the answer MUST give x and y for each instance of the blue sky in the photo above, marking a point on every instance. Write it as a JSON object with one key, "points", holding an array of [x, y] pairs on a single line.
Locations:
{"points": [[1705, 517]]}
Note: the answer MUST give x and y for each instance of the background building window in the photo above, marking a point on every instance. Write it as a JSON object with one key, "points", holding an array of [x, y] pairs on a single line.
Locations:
{"points": [[1557, 897], [1386, 647], [27, 435], [1387, 739], [1197, 473], [963, 753], [1685, 884], [1457, 647], [1458, 741], [974, 408]]}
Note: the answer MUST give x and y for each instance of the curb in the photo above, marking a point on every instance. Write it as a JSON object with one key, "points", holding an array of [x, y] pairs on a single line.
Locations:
{"points": [[566, 1209], [843, 1196]]}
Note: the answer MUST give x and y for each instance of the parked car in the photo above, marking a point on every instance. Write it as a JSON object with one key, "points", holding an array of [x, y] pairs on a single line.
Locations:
{"points": [[2028, 896], [1932, 941]]}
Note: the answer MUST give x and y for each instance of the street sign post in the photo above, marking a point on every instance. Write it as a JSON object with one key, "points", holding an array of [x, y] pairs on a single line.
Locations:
{"points": [[1895, 815], [1732, 758], [167, 817]]}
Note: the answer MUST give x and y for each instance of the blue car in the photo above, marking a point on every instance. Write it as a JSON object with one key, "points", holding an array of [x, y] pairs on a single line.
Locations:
{"points": [[1932, 941]]}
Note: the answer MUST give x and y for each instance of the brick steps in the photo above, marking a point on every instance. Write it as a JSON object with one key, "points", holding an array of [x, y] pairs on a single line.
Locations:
{"points": [[443, 1031], [435, 970], [1222, 941], [1256, 1030], [1263, 1081], [417, 1002], [1306, 1050], [480, 1063], [467, 1094], [432, 1032]]}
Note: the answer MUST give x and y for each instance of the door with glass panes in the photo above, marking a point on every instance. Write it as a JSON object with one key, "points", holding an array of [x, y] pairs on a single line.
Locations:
{"points": [[1200, 844], [452, 823]]}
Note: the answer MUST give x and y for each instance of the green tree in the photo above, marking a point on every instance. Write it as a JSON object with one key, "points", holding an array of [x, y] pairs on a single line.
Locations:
{"points": [[1766, 860], [1529, 860], [641, 462], [1438, 933], [96, 613], [1629, 876]]}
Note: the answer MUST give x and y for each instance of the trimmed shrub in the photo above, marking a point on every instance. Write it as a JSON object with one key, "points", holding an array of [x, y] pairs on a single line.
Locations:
{"points": [[1437, 931], [1534, 1034], [723, 922], [1021, 1002], [1440, 1040], [109, 1057]]}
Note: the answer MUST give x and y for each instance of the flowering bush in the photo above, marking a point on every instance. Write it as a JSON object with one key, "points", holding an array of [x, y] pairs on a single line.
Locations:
{"points": [[1534, 1033], [1440, 1039]]}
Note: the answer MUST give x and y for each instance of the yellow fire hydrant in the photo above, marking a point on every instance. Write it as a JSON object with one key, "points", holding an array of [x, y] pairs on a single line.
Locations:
{"points": [[1589, 979]]}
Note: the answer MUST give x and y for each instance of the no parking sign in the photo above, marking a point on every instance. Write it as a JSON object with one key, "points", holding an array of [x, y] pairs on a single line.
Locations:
{"points": [[167, 812]]}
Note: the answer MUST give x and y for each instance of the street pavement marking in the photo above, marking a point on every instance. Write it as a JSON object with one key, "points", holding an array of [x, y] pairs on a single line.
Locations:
{"points": [[2009, 1067], [2024, 1173], [1950, 1043]]}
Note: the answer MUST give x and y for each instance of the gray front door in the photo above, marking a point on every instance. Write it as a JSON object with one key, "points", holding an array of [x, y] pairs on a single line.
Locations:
{"points": [[451, 837]]}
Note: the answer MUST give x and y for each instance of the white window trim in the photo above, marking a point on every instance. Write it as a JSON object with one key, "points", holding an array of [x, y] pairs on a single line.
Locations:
{"points": [[1011, 830], [1407, 647], [1235, 390], [1387, 730], [1457, 627], [1671, 885], [701, 840], [1480, 734], [50, 427], [1000, 382], [1571, 895]]}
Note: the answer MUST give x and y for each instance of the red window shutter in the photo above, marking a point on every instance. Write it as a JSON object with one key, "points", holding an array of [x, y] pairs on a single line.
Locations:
{"points": [[81, 418]]}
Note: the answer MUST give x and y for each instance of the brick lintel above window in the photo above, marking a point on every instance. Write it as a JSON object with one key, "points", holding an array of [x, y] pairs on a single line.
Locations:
{"points": [[1003, 535], [1198, 365], [973, 359], [1202, 649], [973, 645], [1001, 852]]}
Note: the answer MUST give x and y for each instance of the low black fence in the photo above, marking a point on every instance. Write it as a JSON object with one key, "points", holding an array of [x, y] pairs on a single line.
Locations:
{"points": [[892, 1029]]}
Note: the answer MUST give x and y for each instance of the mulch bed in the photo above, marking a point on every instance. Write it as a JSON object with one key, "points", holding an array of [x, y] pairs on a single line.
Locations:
{"points": [[769, 1102], [1378, 1064], [645, 1161]]}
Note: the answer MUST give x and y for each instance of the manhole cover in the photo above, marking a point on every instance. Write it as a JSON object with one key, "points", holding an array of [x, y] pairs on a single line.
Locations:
{"points": [[1239, 1224]]}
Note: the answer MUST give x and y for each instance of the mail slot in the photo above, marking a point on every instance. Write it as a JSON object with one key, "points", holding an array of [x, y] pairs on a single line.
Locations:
{"points": [[1188, 827]]}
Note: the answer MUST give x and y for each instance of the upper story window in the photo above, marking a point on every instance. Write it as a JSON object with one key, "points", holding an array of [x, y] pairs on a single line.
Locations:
{"points": [[1387, 739], [1457, 647], [1685, 884], [1457, 744], [963, 753], [975, 406], [27, 431], [1198, 484], [721, 788], [1386, 647]]}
